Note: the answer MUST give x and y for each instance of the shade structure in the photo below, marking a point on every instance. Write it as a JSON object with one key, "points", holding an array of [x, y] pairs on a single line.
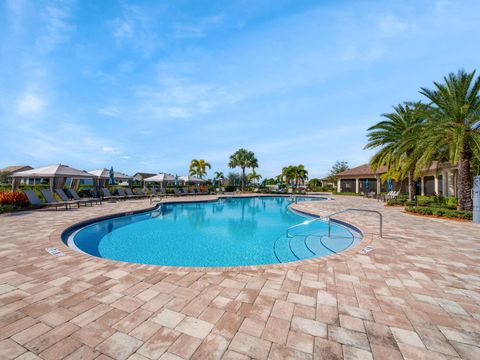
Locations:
{"points": [[101, 176], [162, 177], [57, 175], [191, 179]]}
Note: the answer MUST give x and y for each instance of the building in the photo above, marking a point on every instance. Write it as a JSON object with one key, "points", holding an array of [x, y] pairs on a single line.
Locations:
{"points": [[140, 176], [439, 179], [6, 173]]}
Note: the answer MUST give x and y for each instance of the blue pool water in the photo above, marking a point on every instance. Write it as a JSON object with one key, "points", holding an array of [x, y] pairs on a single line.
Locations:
{"points": [[227, 232]]}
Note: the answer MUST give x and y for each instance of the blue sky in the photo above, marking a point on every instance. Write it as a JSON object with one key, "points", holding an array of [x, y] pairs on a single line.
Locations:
{"points": [[149, 85]]}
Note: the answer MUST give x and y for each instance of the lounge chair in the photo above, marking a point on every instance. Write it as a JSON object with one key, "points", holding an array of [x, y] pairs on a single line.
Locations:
{"points": [[128, 192], [122, 194], [75, 195], [178, 192], [65, 198], [33, 198], [107, 195], [50, 199], [140, 192]]}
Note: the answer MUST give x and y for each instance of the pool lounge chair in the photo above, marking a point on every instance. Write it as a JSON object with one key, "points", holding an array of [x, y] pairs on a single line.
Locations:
{"points": [[178, 192], [50, 199], [65, 198], [107, 195], [33, 198], [130, 194], [75, 195]]}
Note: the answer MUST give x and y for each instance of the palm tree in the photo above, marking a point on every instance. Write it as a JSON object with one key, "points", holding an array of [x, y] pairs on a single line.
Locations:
{"points": [[314, 183], [253, 176], [243, 159], [397, 139], [287, 175], [218, 177], [301, 174], [198, 167], [453, 128]]}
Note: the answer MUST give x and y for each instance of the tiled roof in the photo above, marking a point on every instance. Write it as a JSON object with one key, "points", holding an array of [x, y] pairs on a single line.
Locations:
{"points": [[362, 170], [15, 168], [366, 170]]}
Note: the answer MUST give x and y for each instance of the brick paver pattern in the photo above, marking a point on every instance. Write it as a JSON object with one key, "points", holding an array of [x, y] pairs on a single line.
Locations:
{"points": [[416, 295]]}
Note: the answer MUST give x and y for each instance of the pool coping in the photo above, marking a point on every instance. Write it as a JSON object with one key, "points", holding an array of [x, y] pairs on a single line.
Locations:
{"points": [[57, 235]]}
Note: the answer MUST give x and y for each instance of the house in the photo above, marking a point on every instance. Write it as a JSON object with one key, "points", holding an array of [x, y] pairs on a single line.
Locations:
{"points": [[440, 179], [140, 176], [6, 173]]}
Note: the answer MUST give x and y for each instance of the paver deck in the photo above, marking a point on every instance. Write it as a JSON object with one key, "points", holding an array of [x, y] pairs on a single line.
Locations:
{"points": [[415, 296]]}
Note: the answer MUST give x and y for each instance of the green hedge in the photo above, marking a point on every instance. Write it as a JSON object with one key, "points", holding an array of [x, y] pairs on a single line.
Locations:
{"points": [[438, 211], [345, 193]]}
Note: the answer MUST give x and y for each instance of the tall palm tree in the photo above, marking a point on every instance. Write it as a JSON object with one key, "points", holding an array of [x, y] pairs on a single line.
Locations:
{"points": [[397, 139], [243, 159], [453, 127], [199, 167]]}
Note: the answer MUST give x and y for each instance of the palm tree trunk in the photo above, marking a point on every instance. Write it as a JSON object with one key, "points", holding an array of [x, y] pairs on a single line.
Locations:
{"points": [[464, 181], [243, 179], [412, 189]]}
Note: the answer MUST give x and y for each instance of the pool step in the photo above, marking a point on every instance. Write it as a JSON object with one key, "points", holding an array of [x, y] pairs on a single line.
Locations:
{"points": [[299, 248], [316, 244], [282, 250]]}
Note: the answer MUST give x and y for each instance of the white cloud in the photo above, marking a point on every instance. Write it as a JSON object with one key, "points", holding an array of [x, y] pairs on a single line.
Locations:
{"points": [[110, 111], [30, 105], [56, 26], [389, 25], [111, 150]]}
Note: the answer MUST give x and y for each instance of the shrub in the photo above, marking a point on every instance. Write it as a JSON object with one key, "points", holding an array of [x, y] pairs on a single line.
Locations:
{"points": [[395, 202], [439, 211], [345, 193], [13, 198]]}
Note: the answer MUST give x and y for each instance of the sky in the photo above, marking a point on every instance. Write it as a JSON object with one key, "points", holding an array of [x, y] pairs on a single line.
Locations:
{"points": [[146, 86]]}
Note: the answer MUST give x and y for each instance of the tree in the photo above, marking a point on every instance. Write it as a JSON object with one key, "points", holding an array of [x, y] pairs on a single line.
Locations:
{"points": [[233, 178], [218, 176], [253, 176], [337, 168], [314, 183], [453, 127], [301, 174], [243, 159], [397, 138], [198, 167]]}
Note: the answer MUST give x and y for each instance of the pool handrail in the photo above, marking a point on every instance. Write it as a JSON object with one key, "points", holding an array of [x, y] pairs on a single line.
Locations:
{"points": [[328, 217]]}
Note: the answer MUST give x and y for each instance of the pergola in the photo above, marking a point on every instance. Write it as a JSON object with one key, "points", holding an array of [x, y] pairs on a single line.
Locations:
{"points": [[56, 174], [161, 178], [191, 179], [101, 177]]}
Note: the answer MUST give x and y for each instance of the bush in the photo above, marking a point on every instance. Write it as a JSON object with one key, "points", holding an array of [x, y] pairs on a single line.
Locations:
{"points": [[439, 211], [395, 202], [14, 198]]}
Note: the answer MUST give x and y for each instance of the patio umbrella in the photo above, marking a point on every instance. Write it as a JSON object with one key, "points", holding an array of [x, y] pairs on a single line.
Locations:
{"points": [[389, 184], [366, 185], [111, 179], [176, 180]]}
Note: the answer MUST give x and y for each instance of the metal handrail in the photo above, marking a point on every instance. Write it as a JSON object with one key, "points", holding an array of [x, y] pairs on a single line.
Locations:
{"points": [[328, 219]]}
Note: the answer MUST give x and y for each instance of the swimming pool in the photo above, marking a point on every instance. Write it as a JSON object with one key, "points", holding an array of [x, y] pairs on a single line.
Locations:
{"points": [[227, 232]]}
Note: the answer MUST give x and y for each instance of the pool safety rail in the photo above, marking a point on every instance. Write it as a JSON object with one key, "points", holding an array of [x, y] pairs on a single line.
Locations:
{"points": [[329, 217]]}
